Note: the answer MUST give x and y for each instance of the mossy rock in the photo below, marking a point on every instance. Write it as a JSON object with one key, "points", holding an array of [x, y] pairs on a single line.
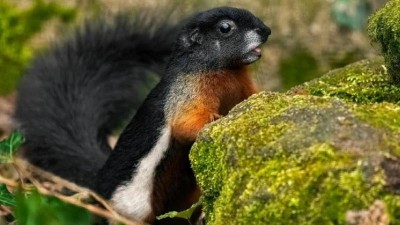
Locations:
{"points": [[366, 81], [296, 158], [384, 28]]}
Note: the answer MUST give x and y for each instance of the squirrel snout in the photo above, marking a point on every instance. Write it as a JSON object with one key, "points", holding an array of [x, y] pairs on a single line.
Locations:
{"points": [[264, 32]]}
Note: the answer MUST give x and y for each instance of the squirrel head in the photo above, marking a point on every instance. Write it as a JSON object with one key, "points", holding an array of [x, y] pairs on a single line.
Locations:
{"points": [[223, 37]]}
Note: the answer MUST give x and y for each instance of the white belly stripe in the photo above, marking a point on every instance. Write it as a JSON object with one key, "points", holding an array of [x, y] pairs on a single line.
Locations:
{"points": [[133, 198]]}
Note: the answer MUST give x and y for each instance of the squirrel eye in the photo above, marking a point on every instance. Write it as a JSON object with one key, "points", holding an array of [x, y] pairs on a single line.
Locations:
{"points": [[225, 28]]}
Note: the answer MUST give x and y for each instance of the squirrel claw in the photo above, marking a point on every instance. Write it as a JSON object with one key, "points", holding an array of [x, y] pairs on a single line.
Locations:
{"points": [[214, 117]]}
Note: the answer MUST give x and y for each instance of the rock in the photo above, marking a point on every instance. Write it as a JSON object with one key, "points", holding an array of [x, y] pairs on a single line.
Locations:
{"points": [[309, 156]]}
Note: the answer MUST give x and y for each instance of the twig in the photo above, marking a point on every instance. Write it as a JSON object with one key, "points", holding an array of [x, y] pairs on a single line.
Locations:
{"points": [[91, 208], [31, 172], [8, 182], [5, 210]]}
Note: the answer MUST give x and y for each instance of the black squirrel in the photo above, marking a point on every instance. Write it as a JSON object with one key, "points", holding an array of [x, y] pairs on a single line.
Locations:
{"points": [[70, 97]]}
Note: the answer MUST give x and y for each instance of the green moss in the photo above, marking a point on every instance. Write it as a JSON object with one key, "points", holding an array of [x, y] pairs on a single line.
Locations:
{"points": [[282, 159], [17, 26], [383, 115], [365, 81], [384, 28]]}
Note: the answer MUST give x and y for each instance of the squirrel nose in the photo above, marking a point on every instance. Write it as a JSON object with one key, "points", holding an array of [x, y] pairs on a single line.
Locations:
{"points": [[264, 32]]}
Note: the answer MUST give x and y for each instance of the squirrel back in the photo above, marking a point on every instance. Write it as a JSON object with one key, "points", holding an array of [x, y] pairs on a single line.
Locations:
{"points": [[73, 95]]}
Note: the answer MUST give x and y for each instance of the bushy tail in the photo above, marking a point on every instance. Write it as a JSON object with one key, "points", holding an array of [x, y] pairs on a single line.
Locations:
{"points": [[76, 93]]}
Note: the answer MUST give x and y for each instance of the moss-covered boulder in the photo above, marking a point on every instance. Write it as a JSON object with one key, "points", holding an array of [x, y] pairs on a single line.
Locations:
{"points": [[308, 156], [384, 28], [366, 81]]}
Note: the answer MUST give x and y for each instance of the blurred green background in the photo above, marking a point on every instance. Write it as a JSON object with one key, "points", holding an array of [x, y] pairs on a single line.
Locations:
{"points": [[308, 38]]}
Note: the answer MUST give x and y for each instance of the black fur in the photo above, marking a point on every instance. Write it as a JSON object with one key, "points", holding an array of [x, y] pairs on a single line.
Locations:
{"points": [[73, 95], [134, 143], [196, 41]]}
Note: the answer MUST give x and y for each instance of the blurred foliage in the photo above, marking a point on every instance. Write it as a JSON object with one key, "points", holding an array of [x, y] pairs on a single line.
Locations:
{"points": [[315, 25], [32, 208], [7, 149], [17, 26], [339, 61], [6, 198], [299, 67], [36, 209], [351, 14], [9, 146]]}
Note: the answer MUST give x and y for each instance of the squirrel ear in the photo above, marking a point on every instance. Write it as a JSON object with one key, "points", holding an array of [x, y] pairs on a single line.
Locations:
{"points": [[192, 37]]}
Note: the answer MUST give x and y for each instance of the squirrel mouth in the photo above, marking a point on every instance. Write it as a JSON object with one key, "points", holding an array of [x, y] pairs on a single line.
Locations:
{"points": [[256, 51], [252, 55]]}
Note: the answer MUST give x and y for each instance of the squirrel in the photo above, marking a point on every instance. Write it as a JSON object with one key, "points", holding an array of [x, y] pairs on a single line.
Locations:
{"points": [[68, 100]]}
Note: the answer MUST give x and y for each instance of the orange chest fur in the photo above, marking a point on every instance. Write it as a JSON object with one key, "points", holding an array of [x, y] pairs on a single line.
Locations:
{"points": [[226, 88], [216, 93]]}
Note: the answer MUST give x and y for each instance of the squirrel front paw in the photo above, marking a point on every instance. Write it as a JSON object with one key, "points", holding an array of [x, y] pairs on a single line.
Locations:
{"points": [[214, 117]]}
